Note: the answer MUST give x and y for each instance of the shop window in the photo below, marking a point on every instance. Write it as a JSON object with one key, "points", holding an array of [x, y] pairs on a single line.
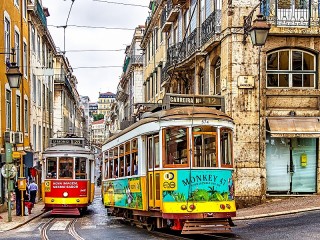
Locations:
{"points": [[291, 68], [52, 168]]}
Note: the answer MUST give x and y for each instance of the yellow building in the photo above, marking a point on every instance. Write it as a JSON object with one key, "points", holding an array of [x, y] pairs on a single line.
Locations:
{"points": [[15, 102]]}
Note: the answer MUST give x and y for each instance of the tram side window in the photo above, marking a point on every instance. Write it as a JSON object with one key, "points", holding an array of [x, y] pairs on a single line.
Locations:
{"points": [[66, 167], [80, 168], [134, 156], [176, 145], [226, 147], [51, 168], [127, 168], [121, 160]]}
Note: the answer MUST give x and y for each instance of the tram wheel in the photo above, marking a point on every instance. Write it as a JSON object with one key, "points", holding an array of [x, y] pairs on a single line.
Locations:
{"points": [[150, 227]]}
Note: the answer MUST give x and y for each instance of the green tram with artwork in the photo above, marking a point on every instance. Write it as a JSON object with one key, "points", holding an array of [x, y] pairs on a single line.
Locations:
{"points": [[172, 169]]}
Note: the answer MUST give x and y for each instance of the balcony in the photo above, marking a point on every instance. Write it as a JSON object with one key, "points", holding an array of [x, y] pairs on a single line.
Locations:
{"points": [[289, 14], [38, 11], [211, 26], [172, 11], [165, 25], [164, 73]]}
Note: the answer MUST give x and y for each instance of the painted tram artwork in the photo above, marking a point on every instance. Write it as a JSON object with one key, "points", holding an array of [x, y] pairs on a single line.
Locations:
{"points": [[172, 169], [67, 176]]}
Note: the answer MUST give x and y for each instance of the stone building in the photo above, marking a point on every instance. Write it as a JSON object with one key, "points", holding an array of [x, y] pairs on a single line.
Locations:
{"points": [[104, 102], [130, 88], [270, 91]]}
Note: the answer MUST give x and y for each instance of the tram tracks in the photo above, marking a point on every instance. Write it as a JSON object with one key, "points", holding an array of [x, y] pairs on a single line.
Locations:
{"points": [[70, 229]]}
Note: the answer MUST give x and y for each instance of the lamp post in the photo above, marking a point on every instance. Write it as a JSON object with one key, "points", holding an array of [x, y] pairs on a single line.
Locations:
{"points": [[14, 79], [258, 31]]}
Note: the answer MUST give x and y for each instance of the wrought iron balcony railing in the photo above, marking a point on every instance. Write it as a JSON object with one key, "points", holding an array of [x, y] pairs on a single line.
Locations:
{"points": [[291, 14], [211, 26]]}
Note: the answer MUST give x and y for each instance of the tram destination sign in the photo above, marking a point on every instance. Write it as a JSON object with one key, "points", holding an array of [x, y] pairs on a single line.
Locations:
{"points": [[171, 100], [67, 141]]}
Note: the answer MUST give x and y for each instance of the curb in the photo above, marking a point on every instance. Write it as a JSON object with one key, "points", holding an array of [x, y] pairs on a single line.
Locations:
{"points": [[275, 214]]}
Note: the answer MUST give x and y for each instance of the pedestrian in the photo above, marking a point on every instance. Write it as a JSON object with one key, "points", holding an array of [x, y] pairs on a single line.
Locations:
{"points": [[33, 188], [18, 200]]}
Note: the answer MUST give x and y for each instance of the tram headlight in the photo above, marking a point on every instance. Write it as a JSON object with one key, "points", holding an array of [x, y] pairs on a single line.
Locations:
{"points": [[183, 207], [222, 206], [65, 194], [228, 206], [192, 207]]}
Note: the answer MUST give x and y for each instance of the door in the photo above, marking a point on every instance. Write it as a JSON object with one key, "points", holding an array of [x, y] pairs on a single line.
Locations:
{"points": [[153, 172], [304, 161], [278, 164], [291, 165]]}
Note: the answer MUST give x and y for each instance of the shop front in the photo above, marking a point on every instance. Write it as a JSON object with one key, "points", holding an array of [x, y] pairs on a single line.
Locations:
{"points": [[291, 154]]}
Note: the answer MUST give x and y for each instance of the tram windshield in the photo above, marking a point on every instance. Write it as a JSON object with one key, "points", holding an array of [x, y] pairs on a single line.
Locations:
{"points": [[80, 168], [176, 145], [51, 168], [66, 167]]}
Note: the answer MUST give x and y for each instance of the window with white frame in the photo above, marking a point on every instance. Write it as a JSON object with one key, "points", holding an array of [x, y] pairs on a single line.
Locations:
{"points": [[33, 39], [8, 109], [25, 57], [38, 48], [18, 113], [34, 136], [34, 88], [217, 80], [17, 46], [39, 93], [7, 38], [193, 14], [291, 68], [24, 8], [26, 116], [16, 3]]}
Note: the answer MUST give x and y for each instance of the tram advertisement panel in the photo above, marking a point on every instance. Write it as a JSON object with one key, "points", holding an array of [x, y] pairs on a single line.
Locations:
{"points": [[197, 185], [75, 188], [124, 193]]}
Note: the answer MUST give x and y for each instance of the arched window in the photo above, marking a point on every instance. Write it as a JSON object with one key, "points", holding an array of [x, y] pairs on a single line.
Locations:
{"points": [[291, 68]]}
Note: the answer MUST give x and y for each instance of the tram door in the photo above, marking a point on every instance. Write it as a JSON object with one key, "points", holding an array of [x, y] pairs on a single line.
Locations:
{"points": [[153, 153]]}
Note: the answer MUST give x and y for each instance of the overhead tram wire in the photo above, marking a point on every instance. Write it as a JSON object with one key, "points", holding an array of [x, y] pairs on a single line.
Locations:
{"points": [[92, 27], [120, 3], [64, 28]]}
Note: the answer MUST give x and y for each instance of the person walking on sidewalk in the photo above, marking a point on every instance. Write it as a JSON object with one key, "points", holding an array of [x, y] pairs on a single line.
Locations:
{"points": [[33, 188]]}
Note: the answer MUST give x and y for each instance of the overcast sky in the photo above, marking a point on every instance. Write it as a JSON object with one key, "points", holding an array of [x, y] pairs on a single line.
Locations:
{"points": [[95, 16]]}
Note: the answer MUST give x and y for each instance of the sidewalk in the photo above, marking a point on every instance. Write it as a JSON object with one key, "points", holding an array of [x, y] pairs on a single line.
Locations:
{"points": [[275, 207], [272, 207], [17, 221]]}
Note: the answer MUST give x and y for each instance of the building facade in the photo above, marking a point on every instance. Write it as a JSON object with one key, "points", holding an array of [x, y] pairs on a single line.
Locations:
{"points": [[130, 89], [15, 102], [41, 52], [104, 102], [98, 132], [66, 103], [270, 91]]}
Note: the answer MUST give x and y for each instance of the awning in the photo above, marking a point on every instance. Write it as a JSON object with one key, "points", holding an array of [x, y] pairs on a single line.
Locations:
{"points": [[291, 127]]}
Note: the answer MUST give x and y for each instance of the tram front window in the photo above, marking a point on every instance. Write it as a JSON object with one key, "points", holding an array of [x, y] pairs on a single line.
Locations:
{"points": [[66, 167], [176, 146], [80, 168], [51, 168], [204, 147]]}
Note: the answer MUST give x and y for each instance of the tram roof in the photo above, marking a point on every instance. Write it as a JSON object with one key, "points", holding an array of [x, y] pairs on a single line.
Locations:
{"points": [[67, 148], [176, 113]]}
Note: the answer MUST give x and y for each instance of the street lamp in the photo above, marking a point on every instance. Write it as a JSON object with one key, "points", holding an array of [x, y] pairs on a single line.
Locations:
{"points": [[14, 79], [13, 73], [259, 31]]}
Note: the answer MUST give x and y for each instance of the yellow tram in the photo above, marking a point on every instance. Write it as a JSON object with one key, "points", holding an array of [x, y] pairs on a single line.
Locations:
{"points": [[173, 169]]}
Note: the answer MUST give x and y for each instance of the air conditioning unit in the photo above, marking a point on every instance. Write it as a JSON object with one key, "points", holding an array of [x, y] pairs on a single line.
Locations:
{"points": [[18, 137], [9, 136]]}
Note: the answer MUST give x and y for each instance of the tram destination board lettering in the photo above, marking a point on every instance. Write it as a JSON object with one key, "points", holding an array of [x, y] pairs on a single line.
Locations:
{"points": [[67, 141], [197, 100]]}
